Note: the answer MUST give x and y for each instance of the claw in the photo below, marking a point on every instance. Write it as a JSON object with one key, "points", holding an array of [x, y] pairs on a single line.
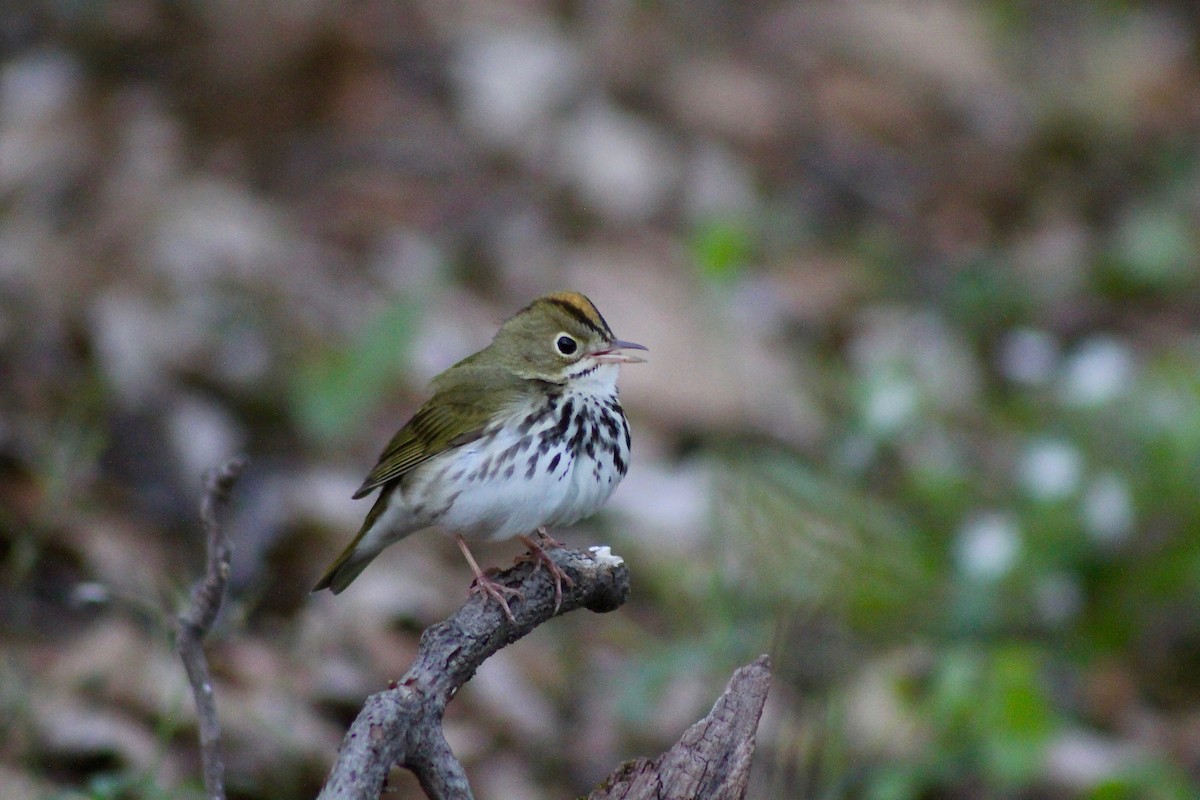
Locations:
{"points": [[494, 589], [540, 557], [548, 541], [487, 586]]}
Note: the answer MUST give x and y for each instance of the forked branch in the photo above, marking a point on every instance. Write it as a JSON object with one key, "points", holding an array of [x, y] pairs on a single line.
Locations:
{"points": [[402, 726]]}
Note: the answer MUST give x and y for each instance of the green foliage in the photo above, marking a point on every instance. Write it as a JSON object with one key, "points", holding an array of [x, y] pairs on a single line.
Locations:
{"points": [[1153, 250], [1014, 532], [334, 389], [988, 714], [722, 248], [1151, 781], [983, 296], [128, 786], [814, 541]]}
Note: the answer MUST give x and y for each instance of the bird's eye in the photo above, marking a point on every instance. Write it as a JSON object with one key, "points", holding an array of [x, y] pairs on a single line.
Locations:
{"points": [[565, 345]]}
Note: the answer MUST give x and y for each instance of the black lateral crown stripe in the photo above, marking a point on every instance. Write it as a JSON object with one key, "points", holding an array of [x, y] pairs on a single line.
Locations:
{"points": [[578, 313]]}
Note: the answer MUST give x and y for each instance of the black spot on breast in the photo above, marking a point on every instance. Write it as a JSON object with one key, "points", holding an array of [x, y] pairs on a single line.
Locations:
{"points": [[509, 470], [449, 502], [576, 443], [564, 419], [619, 463], [553, 463], [610, 425]]}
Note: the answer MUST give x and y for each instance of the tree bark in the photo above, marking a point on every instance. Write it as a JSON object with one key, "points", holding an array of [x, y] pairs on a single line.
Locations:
{"points": [[402, 726], [712, 759]]}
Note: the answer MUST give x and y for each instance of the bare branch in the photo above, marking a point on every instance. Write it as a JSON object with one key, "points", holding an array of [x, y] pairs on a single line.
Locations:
{"points": [[403, 726], [712, 759], [195, 621]]}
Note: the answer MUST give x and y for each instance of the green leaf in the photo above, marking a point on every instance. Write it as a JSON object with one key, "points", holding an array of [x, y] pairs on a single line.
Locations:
{"points": [[722, 248], [335, 388], [1154, 248]]}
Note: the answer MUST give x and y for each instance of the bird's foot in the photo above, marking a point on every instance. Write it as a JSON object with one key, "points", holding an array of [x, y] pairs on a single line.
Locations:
{"points": [[488, 587], [547, 541], [538, 555]]}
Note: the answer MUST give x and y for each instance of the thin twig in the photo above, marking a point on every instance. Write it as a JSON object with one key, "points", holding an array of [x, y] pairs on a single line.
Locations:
{"points": [[403, 725], [195, 621]]}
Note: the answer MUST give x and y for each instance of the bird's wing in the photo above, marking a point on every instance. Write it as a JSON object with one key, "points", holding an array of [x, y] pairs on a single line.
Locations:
{"points": [[451, 418]]}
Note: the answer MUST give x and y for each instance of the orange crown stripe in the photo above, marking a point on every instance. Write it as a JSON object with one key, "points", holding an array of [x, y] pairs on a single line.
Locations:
{"points": [[583, 307]]}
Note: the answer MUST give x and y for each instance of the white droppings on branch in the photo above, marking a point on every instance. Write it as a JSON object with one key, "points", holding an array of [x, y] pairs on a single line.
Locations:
{"points": [[604, 555]]}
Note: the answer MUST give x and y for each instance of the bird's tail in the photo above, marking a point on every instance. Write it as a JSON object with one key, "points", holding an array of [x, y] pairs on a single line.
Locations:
{"points": [[360, 552], [346, 568]]}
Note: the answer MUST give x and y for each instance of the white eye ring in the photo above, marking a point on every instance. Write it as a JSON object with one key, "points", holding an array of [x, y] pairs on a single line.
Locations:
{"points": [[565, 344]]}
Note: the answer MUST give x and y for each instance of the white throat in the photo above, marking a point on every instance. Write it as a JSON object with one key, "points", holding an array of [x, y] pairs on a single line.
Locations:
{"points": [[592, 378]]}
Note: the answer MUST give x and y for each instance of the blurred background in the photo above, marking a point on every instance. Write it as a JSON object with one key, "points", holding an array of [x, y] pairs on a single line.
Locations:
{"points": [[921, 417]]}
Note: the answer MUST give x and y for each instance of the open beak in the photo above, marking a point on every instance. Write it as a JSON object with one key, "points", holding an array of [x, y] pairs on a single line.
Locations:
{"points": [[614, 354]]}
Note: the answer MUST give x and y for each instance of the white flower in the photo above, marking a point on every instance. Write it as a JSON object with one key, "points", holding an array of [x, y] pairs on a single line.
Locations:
{"points": [[1051, 469], [988, 545], [1097, 372], [1108, 513], [890, 405]]}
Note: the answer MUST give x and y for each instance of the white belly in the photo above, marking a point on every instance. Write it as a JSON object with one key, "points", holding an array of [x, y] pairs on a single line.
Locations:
{"points": [[505, 484]]}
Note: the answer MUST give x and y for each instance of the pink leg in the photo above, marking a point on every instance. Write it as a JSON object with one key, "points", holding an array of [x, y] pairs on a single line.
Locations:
{"points": [[548, 541], [485, 585], [537, 554]]}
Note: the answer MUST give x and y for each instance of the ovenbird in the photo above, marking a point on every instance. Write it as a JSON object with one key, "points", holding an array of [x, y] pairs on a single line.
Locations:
{"points": [[526, 433]]}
